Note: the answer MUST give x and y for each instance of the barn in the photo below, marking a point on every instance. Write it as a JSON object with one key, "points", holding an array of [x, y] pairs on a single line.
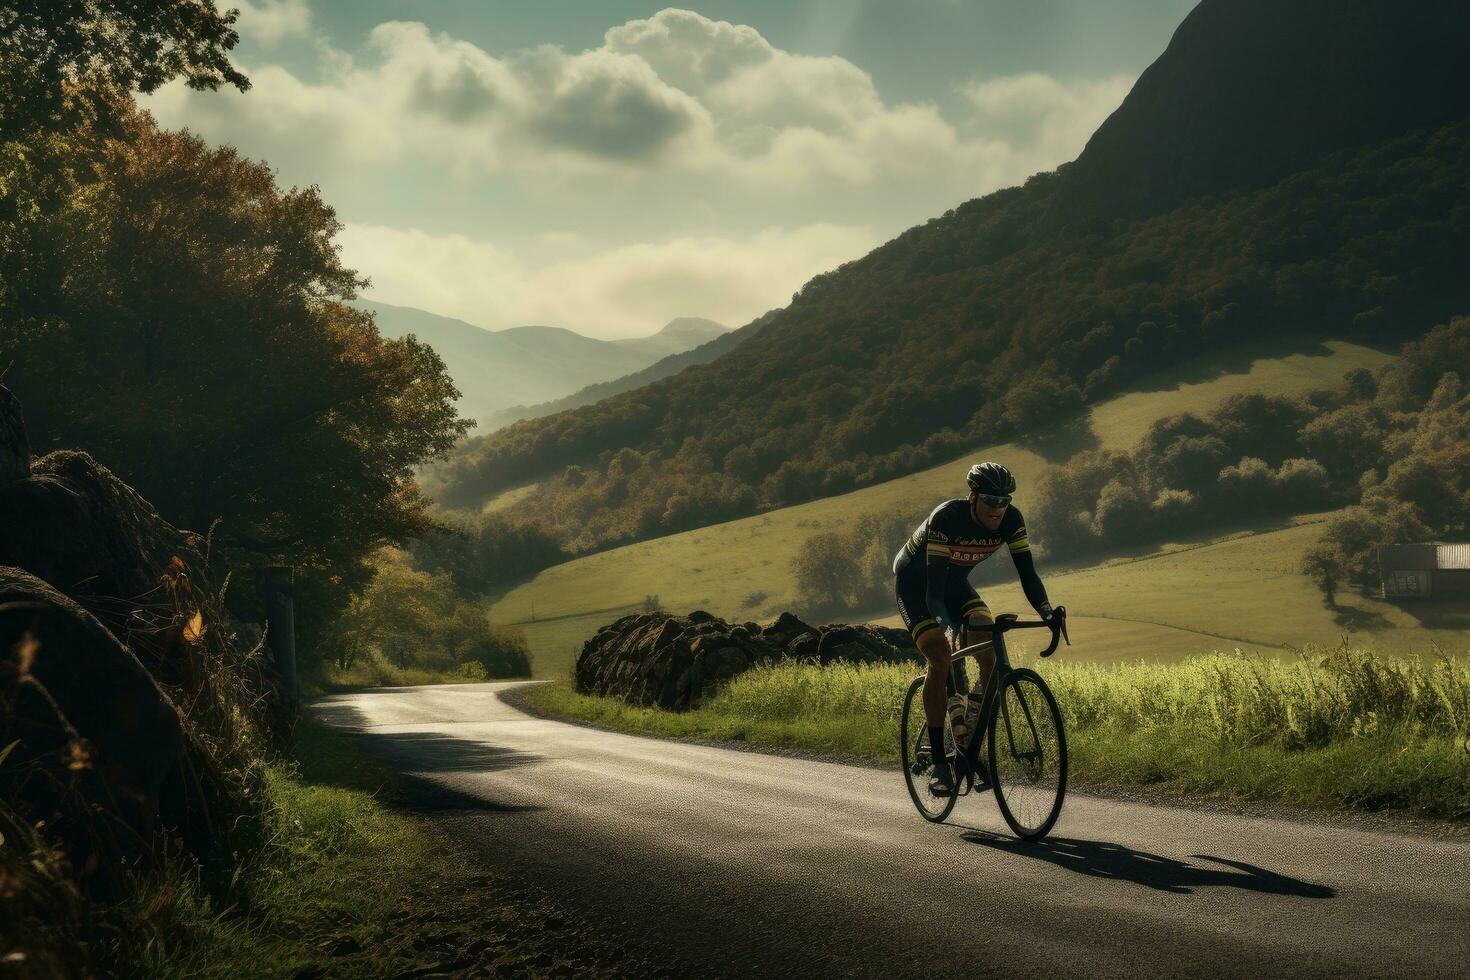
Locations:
{"points": [[1422, 571]]}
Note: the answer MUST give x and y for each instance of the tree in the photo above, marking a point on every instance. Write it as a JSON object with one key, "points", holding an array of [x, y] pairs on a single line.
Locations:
{"points": [[61, 58], [1326, 564], [826, 572], [198, 307]]}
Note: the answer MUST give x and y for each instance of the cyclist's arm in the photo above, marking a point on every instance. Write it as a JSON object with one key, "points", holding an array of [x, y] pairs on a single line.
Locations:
{"points": [[1020, 549]]}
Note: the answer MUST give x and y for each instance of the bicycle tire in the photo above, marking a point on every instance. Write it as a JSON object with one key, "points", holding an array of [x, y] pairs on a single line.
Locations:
{"points": [[913, 740], [1029, 790]]}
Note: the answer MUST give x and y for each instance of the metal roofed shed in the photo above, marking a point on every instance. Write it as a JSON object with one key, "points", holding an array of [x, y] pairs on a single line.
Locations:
{"points": [[1423, 571]]}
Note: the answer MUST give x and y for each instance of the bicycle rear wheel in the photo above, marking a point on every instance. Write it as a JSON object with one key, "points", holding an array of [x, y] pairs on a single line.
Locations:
{"points": [[918, 759], [1028, 754]]}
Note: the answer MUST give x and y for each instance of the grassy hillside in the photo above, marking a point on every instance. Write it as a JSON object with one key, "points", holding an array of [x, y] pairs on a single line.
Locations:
{"points": [[844, 388], [1241, 590], [742, 568]]}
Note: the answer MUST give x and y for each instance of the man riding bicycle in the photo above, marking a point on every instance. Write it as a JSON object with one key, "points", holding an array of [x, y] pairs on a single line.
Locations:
{"points": [[932, 573]]}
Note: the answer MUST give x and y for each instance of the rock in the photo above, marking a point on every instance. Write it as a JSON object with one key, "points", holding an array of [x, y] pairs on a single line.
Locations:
{"points": [[805, 646], [785, 629], [673, 662]]}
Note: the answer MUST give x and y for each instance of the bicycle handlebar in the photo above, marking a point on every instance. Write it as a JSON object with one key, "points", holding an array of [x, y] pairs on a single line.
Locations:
{"points": [[1006, 622]]}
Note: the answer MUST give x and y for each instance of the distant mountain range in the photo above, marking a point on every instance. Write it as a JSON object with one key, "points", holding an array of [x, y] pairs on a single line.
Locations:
{"points": [[497, 369], [662, 368]]}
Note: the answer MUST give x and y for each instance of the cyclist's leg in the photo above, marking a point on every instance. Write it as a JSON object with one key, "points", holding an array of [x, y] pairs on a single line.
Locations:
{"points": [[966, 607], [933, 646]]}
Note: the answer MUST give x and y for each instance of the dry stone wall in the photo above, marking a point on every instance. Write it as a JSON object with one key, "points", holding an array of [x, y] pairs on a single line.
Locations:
{"points": [[672, 662]]}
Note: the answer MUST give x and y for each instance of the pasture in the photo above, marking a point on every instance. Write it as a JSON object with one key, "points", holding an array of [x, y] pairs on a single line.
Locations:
{"points": [[741, 569]]}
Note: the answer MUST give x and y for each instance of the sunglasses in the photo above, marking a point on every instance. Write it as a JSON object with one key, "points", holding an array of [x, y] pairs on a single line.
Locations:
{"points": [[991, 500]]}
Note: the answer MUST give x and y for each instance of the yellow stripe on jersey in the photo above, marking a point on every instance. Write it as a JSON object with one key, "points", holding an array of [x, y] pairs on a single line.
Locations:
{"points": [[1019, 544], [937, 549]]}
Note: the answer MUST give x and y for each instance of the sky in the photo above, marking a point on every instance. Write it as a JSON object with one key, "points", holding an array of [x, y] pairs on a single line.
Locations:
{"points": [[608, 166]]}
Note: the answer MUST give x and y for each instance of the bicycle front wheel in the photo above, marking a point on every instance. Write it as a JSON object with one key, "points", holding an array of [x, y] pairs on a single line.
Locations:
{"points": [[918, 758], [1028, 754]]}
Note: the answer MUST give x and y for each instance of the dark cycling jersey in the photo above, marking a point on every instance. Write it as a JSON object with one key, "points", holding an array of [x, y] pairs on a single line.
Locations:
{"points": [[942, 551]]}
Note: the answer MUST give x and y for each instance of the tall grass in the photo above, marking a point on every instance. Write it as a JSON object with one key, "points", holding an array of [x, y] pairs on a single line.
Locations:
{"points": [[374, 669], [1332, 726], [334, 862]]}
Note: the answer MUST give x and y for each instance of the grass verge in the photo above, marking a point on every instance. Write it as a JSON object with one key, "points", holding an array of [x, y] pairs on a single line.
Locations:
{"points": [[376, 670], [324, 894], [1338, 727]]}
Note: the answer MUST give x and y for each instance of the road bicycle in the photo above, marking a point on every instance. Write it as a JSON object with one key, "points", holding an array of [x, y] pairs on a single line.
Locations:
{"points": [[1018, 720]]}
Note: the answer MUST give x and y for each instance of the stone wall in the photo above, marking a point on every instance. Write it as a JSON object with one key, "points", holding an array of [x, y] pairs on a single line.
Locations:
{"points": [[673, 661]]}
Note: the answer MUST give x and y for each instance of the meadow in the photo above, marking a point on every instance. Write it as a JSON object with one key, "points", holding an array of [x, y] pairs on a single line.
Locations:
{"points": [[1338, 727], [741, 569]]}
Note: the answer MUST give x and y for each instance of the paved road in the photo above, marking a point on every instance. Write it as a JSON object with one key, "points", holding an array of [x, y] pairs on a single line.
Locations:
{"points": [[750, 864]]}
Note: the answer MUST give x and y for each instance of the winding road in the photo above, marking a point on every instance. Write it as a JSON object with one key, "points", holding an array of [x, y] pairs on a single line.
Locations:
{"points": [[726, 863]]}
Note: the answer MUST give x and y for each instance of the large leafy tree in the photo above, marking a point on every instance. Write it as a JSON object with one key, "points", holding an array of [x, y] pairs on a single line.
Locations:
{"points": [[60, 58], [176, 314]]}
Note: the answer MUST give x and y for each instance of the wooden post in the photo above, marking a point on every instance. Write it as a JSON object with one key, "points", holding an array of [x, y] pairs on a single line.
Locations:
{"points": [[277, 593]]}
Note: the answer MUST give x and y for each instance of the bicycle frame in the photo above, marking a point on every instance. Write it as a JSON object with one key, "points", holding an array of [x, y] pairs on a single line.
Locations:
{"points": [[957, 682]]}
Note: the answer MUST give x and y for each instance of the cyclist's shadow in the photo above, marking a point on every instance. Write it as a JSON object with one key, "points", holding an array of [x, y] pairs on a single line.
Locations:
{"points": [[1101, 859]]}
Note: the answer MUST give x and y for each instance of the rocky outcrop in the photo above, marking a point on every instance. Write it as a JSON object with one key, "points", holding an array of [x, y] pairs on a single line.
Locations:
{"points": [[673, 661]]}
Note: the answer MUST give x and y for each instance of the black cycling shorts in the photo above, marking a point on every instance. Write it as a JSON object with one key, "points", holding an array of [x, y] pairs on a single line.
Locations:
{"points": [[960, 599]]}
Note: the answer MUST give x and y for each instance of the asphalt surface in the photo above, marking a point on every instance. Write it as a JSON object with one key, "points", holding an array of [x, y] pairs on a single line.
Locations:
{"points": [[722, 862]]}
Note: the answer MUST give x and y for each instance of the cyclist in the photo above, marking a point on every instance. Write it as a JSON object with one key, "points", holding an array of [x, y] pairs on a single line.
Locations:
{"points": [[932, 573]]}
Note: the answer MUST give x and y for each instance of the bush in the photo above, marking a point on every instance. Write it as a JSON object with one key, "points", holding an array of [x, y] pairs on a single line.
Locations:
{"points": [[850, 571], [410, 621]]}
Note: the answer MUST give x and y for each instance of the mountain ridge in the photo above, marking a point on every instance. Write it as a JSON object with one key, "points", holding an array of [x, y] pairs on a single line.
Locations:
{"points": [[662, 368], [496, 369]]}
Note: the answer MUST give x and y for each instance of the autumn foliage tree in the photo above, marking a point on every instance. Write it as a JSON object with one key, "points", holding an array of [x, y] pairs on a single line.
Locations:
{"points": [[177, 314]]}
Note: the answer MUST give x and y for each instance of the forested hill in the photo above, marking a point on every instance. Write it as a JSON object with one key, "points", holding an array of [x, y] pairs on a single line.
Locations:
{"points": [[1016, 309], [1249, 91]]}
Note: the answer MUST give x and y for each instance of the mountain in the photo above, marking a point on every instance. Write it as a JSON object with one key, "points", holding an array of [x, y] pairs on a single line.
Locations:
{"points": [[1249, 91], [662, 368], [496, 369], [678, 335], [1013, 312]]}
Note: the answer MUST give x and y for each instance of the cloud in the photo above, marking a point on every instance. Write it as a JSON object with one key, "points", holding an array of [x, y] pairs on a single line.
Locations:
{"points": [[1045, 121], [630, 290], [674, 94], [684, 166], [271, 21], [612, 107]]}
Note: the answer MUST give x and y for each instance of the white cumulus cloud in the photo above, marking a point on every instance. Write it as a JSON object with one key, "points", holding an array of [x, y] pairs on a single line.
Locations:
{"points": [[270, 21]]}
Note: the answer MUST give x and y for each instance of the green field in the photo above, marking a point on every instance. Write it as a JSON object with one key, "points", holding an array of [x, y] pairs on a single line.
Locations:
{"points": [[1342, 726], [741, 569], [1242, 590]]}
